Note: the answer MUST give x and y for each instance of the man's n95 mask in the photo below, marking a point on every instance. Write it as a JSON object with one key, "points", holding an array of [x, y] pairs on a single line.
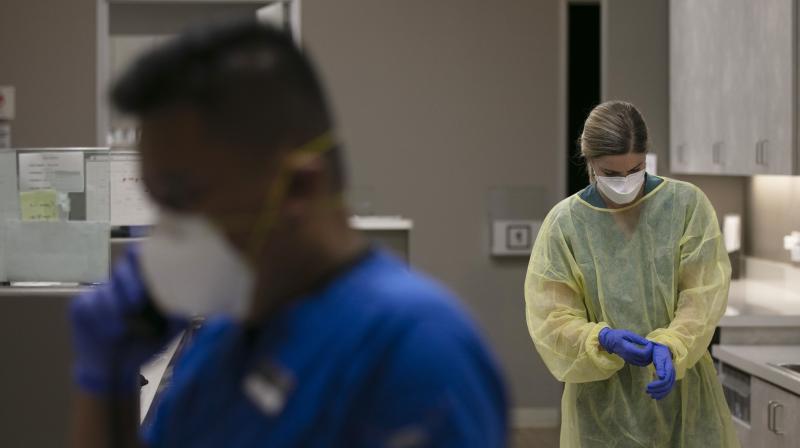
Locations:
{"points": [[192, 269]]}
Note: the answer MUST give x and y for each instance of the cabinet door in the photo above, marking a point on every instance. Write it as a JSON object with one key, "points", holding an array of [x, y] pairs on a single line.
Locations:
{"points": [[774, 61], [706, 32], [732, 82], [736, 79], [680, 80], [690, 107], [716, 152], [774, 416], [743, 431]]}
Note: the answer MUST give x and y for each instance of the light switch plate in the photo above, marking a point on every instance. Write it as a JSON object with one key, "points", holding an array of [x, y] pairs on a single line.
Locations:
{"points": [[514, 237], [7, 103]]}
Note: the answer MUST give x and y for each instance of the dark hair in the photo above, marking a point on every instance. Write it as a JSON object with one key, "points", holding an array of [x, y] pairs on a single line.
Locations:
{"points": [[613, 128], [249, 81]]}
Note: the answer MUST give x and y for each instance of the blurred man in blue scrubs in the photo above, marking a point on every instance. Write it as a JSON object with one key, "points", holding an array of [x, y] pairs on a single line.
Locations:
{"points": [[313, 337]]}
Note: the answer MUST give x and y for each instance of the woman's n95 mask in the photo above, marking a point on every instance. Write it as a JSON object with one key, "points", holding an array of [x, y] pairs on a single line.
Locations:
{"points": [[621, 190], [192, 270]]}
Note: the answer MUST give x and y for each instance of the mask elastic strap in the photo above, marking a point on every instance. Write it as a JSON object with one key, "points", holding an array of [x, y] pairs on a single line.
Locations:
{"points": [[269, 211]]}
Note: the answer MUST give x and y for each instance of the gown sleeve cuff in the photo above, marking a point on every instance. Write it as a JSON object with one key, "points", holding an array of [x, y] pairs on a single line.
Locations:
{"points": [[601, 358]]}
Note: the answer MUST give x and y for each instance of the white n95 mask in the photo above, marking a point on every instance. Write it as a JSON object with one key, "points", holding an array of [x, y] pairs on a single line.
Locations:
{"points": [[191, 269], [621, 190]]}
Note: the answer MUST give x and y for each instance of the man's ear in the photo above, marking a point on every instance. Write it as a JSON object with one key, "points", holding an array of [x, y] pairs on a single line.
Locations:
{"points": [[307, 183]]}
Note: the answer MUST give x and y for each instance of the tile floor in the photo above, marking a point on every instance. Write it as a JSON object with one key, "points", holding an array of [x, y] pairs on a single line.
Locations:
{"points": [[535, 438]]}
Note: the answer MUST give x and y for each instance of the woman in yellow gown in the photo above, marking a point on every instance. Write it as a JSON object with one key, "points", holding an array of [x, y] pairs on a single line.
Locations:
{"points": [[630, 271]]}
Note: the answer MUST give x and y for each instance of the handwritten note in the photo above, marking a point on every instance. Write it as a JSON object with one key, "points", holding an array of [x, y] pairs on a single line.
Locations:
{"points": [[130, 205], [39, 205]]}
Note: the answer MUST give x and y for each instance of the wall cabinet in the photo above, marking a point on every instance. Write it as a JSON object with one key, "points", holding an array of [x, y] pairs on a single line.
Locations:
{"points": [[774, 416], [732, 87]]}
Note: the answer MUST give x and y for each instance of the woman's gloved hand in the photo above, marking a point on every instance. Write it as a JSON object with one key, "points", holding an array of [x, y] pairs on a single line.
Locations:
{"points": [[631, 347], [116, 328], [665, 371]]}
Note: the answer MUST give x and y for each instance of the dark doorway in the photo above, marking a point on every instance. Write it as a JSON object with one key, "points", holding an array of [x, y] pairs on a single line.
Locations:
{"points": [[583, 88]]}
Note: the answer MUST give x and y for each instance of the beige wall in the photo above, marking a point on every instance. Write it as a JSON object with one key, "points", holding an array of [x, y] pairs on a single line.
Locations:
{"points": [[439, 102], [773, 211], [47, 51]]}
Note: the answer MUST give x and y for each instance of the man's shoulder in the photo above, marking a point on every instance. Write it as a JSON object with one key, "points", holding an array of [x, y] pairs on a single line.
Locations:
{"points": [[433, 325], [388, 288], [404, 313]]}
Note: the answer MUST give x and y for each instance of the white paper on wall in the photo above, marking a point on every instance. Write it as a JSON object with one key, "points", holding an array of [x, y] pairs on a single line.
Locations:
{"points": [[62, 171]]}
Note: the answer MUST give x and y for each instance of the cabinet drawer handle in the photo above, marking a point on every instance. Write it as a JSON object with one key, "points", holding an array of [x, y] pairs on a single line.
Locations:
{"points": [[765, 152], [758, 152], [716, 153], [772, 412], [775, 419], [770, 416], [682, 153]]}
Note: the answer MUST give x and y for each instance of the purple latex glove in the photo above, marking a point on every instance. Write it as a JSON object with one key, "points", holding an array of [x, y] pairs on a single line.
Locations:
{"points": [[665, 371], [631, 347], [116, 328]]}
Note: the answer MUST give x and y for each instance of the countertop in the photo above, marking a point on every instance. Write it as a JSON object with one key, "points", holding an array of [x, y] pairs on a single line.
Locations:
{"points": [[380, 223], [61, 291], [753, 303], [756, 359]]}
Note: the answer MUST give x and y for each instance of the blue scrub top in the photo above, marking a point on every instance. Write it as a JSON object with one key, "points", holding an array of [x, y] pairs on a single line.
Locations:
{"points": [[380, 357]]}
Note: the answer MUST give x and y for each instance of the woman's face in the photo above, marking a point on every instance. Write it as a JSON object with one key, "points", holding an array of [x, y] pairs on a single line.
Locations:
{"points": [[618, 166]]}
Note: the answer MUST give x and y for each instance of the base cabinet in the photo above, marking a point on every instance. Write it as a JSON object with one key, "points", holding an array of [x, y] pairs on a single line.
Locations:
{"points": [[775, 415]]}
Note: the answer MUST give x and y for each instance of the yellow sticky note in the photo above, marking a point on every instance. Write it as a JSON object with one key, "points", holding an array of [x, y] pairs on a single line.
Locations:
{"points": [[39, 205]]}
